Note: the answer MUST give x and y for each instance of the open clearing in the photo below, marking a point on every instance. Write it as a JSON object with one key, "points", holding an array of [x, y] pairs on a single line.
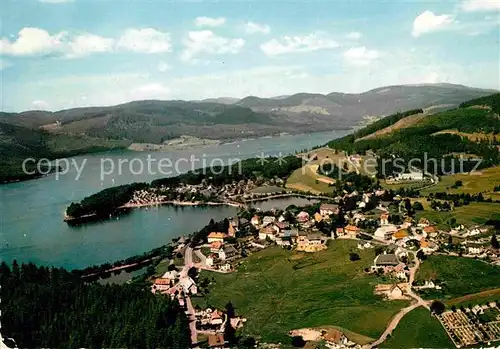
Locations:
{"points": [[472, 214], [307, 177], [403, 123], [460, 275], [418, 329], [277, 292], [481, 181], [476, 298], [476, 136]]}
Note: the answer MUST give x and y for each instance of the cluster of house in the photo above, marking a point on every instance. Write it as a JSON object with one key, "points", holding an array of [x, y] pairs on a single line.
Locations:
{"points": [[174, 285], [392, 264], [212, 323], [304, 237], [221, 252]]}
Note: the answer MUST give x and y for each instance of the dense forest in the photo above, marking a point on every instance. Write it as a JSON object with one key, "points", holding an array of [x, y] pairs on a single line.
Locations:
{"points": [[52, 308], [108, 200]]}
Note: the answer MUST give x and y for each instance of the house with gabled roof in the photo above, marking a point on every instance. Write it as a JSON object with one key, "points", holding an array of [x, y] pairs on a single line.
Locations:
{"points": [[216, 236]]}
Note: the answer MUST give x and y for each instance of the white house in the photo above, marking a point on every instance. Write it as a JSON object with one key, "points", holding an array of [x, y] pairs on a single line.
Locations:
{"points": [[328, 209], [412, 176], [475, 250], [213, 237], [268, 220], [385, 232]]}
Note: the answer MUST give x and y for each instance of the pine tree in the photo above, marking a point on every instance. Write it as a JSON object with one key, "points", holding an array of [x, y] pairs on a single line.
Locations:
{"points": [[494, 242]]}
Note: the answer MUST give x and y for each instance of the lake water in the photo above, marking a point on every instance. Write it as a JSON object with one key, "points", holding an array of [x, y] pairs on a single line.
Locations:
{"points": [[31, 212]]}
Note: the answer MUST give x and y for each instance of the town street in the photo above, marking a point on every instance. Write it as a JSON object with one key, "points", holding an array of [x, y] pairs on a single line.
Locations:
{"points": [[188, 263]]}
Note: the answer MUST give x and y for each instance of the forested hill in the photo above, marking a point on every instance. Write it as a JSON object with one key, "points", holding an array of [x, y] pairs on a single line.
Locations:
{"points": [[155, 121], [18, 143], [52, 308], [473, 128]]}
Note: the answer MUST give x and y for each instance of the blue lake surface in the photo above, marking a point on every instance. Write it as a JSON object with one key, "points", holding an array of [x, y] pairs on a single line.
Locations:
{"points": [[31, 212]]}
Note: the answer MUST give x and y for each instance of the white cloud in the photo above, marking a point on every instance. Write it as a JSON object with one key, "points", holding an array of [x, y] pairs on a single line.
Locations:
{"points": [[33, 41], [291, 44], [163, 66], [36, 42], [89, 43], [428, 22], [480, 5], [354, 35], [209, 21], [150, 91], [145, 40], [205, 41], [257, 28], [360, 56], [40, 105]]}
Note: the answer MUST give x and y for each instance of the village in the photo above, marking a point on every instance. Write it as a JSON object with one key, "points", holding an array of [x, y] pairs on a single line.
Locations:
{"points": [[373, 219]]}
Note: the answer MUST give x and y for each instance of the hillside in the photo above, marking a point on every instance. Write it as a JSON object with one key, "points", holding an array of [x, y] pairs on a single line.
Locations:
{"points": [[344, 110], [18, 143], [156, 121], [414, 134]]}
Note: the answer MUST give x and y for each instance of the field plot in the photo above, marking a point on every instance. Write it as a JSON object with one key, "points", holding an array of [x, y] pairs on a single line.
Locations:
{"points": [[468, 215], [278, 291], [460, 275], [482, 181], [418, 329], [472, 326]]}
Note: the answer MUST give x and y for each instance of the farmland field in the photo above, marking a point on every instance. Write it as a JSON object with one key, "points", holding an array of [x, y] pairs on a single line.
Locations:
{"points": [[472, 214], [418, 329], [482, 181], [460, 275], [278, 290]]}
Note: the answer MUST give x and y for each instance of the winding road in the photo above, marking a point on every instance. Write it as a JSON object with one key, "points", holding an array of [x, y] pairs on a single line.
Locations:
{"points": [[188, 263]]}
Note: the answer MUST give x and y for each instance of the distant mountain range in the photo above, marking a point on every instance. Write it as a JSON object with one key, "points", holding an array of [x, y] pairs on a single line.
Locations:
{"points": [[155, 121], [83, 130]]}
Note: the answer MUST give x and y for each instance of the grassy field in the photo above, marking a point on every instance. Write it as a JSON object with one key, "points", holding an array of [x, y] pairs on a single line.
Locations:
{"points": [[475, 137], [307, 179], [468, 215], [162, 267], [461, 275], [476, 298], [267, 189], [418, 329], [482, 181], [278, 290]]}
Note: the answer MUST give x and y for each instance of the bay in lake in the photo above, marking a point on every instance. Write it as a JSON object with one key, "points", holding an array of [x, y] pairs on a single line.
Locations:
{"points": [[31, 212]]}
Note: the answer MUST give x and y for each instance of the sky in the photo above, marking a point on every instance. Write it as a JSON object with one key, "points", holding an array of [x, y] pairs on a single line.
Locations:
{"points": [[59, 54]]}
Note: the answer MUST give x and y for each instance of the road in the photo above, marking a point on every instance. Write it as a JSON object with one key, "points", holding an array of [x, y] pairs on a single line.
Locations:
{"points": [[188, 263], [201, 256], [396, 319], [392, 325]]}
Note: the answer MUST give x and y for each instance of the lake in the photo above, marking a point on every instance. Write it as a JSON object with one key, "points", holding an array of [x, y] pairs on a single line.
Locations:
{"points": [[31, 212]]}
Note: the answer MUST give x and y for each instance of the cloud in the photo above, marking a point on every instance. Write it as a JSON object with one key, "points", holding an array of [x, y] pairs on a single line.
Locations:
{"points": [[39, 42], [33, 41], [88, 43], [163, 66], [150, 91], [145, 40], [40, 105], [293, 44], [205, 41], [256, 28], [360, 56], [480, 5], [354, 36], [428, 22], [209, 21]]}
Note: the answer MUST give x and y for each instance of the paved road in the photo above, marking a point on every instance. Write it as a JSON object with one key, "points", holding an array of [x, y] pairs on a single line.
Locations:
{"points": [[188, 263], [201, 256]]}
